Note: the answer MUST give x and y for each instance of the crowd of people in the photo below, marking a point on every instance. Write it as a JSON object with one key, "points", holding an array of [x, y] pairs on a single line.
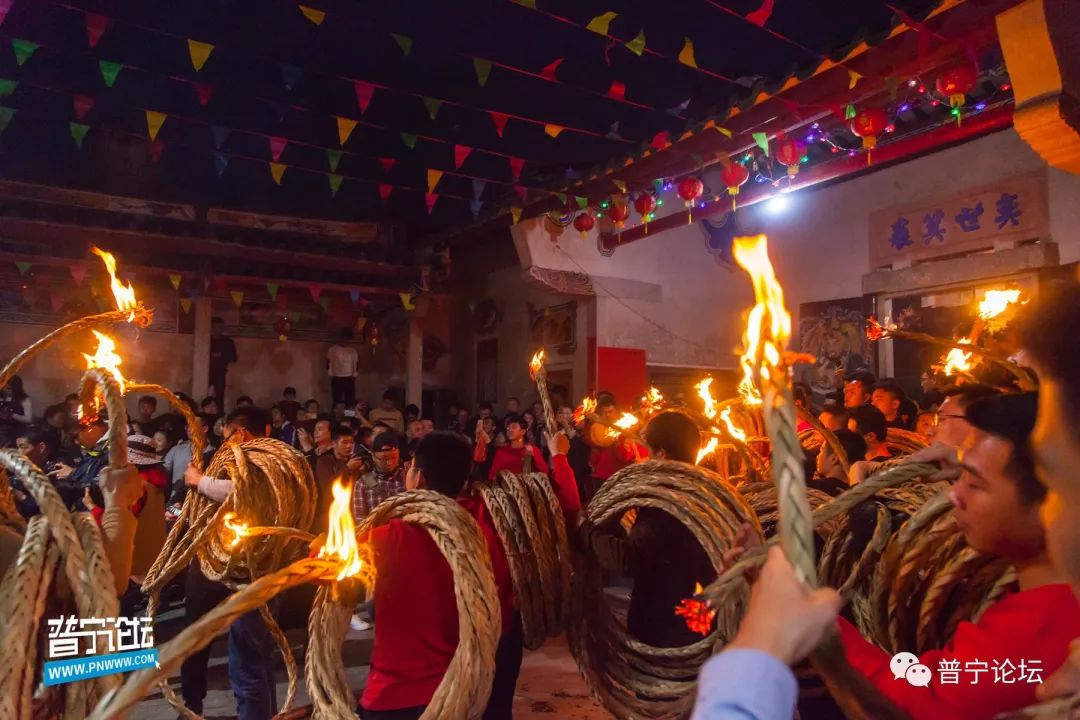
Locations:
{"points": [[1008, 454]]}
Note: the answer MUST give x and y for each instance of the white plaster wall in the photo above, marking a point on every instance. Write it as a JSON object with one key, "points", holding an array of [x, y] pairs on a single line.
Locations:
{"points": [[819, 246]]}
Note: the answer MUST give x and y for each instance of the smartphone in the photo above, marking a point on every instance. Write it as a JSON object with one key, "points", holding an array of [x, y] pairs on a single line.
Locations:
{"points": [[350, 413]]}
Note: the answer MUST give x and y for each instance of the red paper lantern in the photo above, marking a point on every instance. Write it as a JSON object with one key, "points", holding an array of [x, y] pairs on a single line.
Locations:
{"points": [[618, 213], [690, 189], [283, 326], [583, 223], [868, 123], [789, 152], [956, 81], [645, 204], [734, 176]]}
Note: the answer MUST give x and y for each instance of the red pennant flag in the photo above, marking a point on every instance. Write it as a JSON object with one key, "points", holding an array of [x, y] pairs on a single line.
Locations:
{"points": [[516, 164], [761, 16], [549, 70], [500, 121], [156, 146], [521, 190], [460, 153], [364, 91], [83, 105], [277, 146], [387, 164], [617, 91], [315, 291], [57, 301], [660, 140], [430, 199], [95, 27], [384, 191], [78, 273], [205, 91]]}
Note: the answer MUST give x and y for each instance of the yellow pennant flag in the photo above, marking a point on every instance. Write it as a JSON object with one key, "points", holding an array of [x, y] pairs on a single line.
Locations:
{"points": [[553, 130], [619, 184], [686, 55], [154, 121], [277, 171], [433, 177], [406, 301], [345, 126], [315, 16], [200, 53], [600, 23], [237, 297], [175, 280], [853, 79], [186, 304], [515, 213]]}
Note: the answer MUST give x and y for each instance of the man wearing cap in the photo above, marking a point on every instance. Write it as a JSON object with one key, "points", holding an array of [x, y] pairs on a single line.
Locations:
{"points": [[386, 478]]}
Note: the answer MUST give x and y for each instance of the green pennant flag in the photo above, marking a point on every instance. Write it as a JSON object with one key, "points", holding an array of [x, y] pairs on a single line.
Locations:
{"points": [[324, 300], [762, 140], [637, 45], [432, 106], [334, 158], [6, 114], [562, 198], [483, 70], [109, 71], [409, 139], [78, 133], [849, 112], [271, 289], [531, 4], [24, 267], [7, 87], [404, 42], [582, 202], [23, 50], [335, 183]]}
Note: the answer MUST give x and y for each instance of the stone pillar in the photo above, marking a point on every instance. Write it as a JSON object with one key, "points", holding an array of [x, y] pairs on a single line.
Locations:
{"points": [[414, 364], [200, 356]]}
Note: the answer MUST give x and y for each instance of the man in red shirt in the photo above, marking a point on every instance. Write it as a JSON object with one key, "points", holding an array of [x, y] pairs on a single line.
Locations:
{"points": [[518, 456], [1020, 639]]}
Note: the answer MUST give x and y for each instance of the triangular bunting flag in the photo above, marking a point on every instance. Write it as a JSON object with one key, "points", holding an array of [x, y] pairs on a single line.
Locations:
{"points": [[204, 91], [853, 79], [364, 91], [429, 200], [354, 295], [277, 171], [199, 52], [57, 301], [460, 153], [156, 147], [637, 45], [345, 126], [6, 114], [406, 301], [761, 16], [522, 191], [500, 121], [5, 8], [109, 71], [384, 191], [483, 70], [617, 91], [553, 130], [324, 302], [474, 206], [315, 16], [762, 140], [175, 280], [686, 55], [433, 177], [561, 198], [271, 290], [849, 112], [432, 105], [24, 49], [516, 165], [96, 25], [24, 267], [78, 133], [290, 75], [660, 140], [515, 214], [315, 291], [361, 321], [335, 183], [478, 188], [409, 139], [277, 146], [549, 70], [78, 273], [333, 157], [601, 23], [185, 303], [237, 297], [582, 202], [154, 121], [7, 87], [619, 184], [531, 4], [404, 42], [387, 164]]}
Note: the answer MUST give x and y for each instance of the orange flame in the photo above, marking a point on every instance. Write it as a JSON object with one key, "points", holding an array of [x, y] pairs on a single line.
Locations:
{"points": [[995, 302], [735, 432], [106, 358], [957, 360], [587, 407], [341, 537], [707, 450], [536, 364], [697, 613], [768, 327], [239, 529], [124, 294], [704, 389], [627, 421], [650, 401]]}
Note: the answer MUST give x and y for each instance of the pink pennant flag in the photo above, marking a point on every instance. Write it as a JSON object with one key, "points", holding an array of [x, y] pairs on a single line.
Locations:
{"points": [[277, 146], [550, 70], [521, 190], [156, 146], [315, 291], [516, 164], [5, 8], [387, 164], [500, 121], [364, 91], [430, 200], [384, 191], [205, 91], [460, 153], [95, 27], [78, 273], [761, 16], [83, 105], [617, 91], [57, 301]]}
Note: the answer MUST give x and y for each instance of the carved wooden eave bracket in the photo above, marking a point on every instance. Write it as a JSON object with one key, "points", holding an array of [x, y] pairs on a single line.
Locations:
{"points": [[561, 281]]}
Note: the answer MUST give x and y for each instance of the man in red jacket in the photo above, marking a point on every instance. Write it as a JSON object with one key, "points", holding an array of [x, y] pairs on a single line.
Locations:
{"points": [[993, 665], [518, 456]]}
